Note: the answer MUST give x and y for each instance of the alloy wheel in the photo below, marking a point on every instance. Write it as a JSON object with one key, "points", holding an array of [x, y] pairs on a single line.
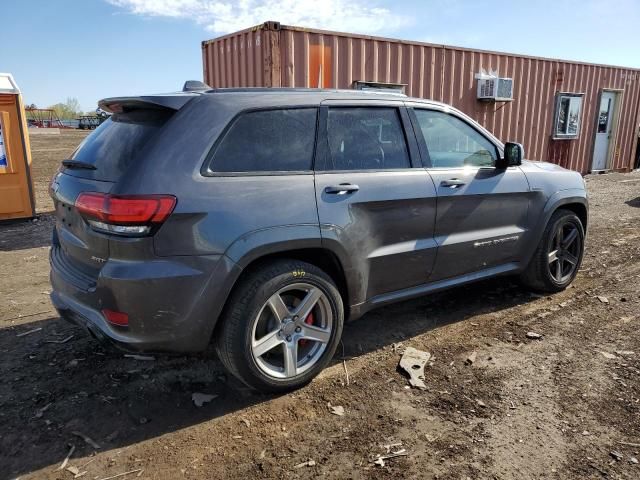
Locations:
{"points": [[564, 252], [292, 330]]}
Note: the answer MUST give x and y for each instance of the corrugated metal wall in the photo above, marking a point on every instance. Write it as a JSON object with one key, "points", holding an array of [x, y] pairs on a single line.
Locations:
{"points": [[274, 55]]}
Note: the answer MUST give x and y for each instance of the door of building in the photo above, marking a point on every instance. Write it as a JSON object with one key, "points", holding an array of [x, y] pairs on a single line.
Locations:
{"points": [[604, 130]]}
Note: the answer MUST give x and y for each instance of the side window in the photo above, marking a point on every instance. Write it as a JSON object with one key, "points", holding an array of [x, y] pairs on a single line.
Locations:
{"points": [[268, 141], [453, 143], [365, 138]]}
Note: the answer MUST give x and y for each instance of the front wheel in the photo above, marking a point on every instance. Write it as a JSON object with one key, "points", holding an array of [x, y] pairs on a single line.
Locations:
{"points": [[557, 259], [281, 327]]}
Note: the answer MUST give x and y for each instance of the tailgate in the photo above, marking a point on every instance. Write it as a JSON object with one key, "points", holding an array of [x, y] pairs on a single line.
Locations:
{"points": [[77, 251]]}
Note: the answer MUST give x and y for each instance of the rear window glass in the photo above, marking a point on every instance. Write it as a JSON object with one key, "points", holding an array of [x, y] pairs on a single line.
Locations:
{"points": [[114, 145], [268, 141]]}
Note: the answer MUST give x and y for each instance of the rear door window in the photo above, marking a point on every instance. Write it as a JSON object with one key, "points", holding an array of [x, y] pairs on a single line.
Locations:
{"points": [[365, 138], [115, 144], [279, 140]]}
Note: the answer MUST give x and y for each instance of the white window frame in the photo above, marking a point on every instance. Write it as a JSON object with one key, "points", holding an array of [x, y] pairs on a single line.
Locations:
{"points": [[575, 101]]}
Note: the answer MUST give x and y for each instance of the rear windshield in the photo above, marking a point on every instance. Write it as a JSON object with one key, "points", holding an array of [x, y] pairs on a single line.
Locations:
{"points": [[115, 144]]}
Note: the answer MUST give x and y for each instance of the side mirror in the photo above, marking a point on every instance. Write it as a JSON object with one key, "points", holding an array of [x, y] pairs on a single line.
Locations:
{"points": [[513, 155]]}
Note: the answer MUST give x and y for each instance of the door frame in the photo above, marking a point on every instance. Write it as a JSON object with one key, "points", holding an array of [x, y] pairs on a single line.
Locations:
{"points": [[619, 93]]}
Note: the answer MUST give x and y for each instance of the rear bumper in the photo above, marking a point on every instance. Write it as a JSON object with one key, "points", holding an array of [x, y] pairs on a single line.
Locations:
{"points": [[173, 304], [87, 318]]}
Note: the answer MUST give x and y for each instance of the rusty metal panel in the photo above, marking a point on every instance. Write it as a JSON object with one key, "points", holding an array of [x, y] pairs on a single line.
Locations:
{"points": [[238, 60], [278, 55]]}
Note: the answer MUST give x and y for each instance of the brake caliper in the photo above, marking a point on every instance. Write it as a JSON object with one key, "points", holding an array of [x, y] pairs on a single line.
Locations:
{"points": [[309, 321]]}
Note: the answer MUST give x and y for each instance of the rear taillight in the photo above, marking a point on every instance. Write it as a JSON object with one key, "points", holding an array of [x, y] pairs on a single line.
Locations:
{"points": [[116, 318], [125, 215]]}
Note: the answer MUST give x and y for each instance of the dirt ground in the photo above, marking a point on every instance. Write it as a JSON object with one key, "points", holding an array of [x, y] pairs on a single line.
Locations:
{"points": [[566, 406]]}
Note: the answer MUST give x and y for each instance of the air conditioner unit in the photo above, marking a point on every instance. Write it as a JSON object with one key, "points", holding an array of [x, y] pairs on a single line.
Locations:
{"points": [[495, 89]]}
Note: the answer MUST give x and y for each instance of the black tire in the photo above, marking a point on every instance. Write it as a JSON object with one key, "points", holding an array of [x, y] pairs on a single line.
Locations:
{"points": [[245, 307], [538, 274]]}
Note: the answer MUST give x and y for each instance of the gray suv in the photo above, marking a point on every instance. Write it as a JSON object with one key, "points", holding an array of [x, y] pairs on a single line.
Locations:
{"points": [[261, 219]]}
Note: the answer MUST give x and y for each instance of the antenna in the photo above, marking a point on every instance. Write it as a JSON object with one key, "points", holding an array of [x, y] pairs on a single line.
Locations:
{"points": [[195, 86]]}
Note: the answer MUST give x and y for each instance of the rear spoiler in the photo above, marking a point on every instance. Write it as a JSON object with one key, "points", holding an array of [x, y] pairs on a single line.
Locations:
{"points": [[171, 101]]}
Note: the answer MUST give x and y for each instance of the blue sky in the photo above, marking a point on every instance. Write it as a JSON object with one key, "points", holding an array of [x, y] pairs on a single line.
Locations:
{"points": [[90, 49]]}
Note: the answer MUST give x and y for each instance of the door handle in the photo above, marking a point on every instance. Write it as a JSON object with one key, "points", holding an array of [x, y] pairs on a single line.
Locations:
{"points": [[452, 183], [341, 189]]}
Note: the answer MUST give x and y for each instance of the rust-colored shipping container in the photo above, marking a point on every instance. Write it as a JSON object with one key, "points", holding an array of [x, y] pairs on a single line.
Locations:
{"points": [[275, 55]]}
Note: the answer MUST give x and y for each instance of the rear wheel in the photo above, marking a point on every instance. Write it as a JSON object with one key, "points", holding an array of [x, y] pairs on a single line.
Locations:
{"points": [[558, 257], [281, 327]]}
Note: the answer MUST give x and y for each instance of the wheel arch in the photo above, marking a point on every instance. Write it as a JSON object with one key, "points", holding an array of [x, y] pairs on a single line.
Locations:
{"points": [[580, 209], [318, 256], [297, 242], [321, 257], [573, 200]]}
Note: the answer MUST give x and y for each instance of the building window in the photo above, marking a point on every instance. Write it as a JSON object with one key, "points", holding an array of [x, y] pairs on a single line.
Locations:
{"points": [[568, 113], [603, 114]]}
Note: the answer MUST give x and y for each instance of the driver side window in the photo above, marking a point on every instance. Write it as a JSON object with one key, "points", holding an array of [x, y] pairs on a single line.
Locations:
{"points": [[452, 143], [365, 138]]}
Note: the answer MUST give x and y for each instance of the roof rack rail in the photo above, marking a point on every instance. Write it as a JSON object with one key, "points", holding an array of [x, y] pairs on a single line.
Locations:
{"points": [[382, 92], [303, 90], [380, 87]]}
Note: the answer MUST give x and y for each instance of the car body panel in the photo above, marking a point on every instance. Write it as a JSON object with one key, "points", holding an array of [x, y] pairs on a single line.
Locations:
{"points": [[482, 223], [432, 287], [236, 207], [387, 223], [84, 248], [170, 301]]}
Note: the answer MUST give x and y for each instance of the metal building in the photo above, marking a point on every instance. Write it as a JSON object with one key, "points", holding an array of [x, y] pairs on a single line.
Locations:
{"points": [[582, 116]]}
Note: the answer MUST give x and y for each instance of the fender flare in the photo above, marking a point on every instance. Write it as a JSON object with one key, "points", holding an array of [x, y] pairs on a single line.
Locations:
{"points": [[557, 200], [244, 250], [260, 243]]}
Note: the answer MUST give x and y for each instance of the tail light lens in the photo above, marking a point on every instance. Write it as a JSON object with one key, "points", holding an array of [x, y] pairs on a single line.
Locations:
{"points": [[133, 215], [116, 318]]}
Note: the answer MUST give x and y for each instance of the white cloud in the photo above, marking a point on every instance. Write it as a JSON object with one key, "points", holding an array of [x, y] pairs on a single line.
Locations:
{"points": [[220, 17]]}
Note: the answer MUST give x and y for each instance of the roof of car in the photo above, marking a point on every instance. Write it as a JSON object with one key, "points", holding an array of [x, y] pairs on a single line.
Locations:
{"points": [[176, 100]]}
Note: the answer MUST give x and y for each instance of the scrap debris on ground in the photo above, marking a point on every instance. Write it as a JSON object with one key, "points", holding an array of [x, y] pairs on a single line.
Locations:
{"points": [[199, 399], [413, 362], [336, 409]]}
